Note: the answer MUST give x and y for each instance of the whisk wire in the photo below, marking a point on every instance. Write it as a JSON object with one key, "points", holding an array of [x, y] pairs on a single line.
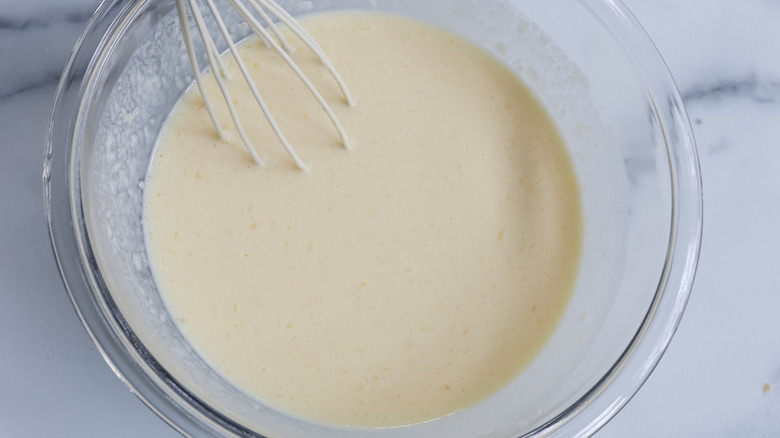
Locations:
{"points": [[210, 54], [258, 29], [299, 31], [189, 46], [215, 55], [271, 25], [261, 102], [275, 41]]}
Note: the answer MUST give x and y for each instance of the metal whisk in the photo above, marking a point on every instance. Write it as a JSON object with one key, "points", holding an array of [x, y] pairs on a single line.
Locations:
{"points": [[269, 33]]}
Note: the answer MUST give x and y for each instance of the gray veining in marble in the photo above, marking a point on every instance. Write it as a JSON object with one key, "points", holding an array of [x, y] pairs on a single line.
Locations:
{"points": [[725, 56]]}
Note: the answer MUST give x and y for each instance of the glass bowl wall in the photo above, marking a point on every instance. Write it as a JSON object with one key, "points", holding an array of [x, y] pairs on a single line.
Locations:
{"points": [[591, 65]]}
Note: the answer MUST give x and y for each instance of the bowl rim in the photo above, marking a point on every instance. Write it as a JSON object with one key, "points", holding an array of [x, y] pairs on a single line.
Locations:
{"points": [[189, 416], [634, 366]]}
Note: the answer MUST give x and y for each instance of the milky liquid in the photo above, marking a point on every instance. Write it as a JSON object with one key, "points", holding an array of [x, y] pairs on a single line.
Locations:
{"points": [[395, 283]]}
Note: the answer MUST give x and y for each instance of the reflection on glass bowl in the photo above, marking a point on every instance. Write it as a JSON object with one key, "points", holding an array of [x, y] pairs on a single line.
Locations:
{"points": [[589, 63]]}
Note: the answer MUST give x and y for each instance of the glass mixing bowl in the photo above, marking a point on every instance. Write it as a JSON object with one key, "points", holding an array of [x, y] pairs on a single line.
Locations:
{"points": [[591, 65]]}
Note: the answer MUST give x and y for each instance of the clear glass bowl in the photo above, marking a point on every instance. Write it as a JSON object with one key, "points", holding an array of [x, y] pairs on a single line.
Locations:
{"points": [[588, 61]]}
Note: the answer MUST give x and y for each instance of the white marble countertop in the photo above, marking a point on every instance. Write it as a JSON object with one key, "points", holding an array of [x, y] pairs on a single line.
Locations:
{"points": [[720, 376]]}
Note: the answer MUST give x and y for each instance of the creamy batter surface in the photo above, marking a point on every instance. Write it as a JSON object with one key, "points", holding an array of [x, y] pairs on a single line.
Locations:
{"points": [[395, 283]]}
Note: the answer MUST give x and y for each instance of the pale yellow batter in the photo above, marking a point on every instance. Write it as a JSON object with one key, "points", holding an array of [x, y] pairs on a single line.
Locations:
{"points": [[392, 284]]}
